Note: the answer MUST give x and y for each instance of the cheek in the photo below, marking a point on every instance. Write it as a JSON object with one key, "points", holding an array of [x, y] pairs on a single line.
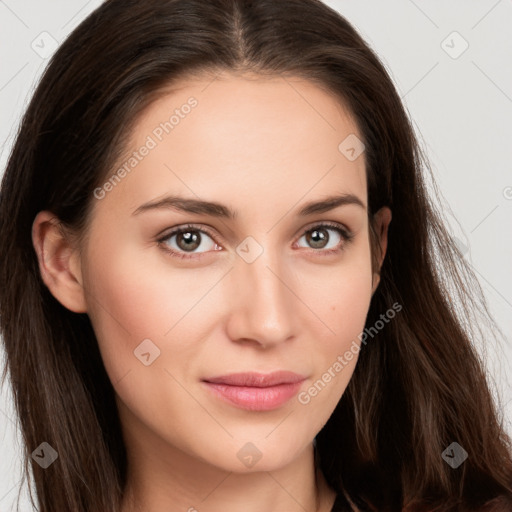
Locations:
{"points": [[341, 293], [340, 297], [137, 295], [126, 303]]}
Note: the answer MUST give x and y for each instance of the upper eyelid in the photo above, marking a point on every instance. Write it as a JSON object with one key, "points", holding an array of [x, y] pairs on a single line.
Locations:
{"points": [[176, 230]]}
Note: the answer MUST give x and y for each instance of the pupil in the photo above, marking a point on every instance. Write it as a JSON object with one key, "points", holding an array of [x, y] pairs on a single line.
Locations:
{"points": [[191, 238], [317, 238]]}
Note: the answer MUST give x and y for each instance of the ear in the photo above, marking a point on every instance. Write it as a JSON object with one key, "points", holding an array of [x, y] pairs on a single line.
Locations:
{"points": [[59, 262], [382, 218]]}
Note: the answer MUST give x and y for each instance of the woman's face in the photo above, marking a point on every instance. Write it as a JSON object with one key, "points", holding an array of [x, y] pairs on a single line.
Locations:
{"points": [[274, 287]]}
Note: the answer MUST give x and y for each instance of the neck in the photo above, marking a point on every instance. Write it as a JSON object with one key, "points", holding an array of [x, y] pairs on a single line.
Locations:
{"points": [[192, 486]]}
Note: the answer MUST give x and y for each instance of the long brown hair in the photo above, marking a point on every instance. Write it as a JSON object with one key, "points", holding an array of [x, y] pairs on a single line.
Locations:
{"points": [[418, 386]]}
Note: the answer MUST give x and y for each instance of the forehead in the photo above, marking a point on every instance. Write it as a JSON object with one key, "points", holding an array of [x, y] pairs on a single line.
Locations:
{"points": [[242, 138]]}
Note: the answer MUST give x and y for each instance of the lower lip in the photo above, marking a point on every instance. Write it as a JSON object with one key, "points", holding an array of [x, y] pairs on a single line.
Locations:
{"points": [[256, 399]]}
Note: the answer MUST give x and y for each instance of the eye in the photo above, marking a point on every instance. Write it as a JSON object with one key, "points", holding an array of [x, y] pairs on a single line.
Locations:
{"points": [[186, 240], [318, 238]]}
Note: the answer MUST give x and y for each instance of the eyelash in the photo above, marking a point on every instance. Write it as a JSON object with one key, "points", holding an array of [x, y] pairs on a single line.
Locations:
{"points": [[345, 235]]}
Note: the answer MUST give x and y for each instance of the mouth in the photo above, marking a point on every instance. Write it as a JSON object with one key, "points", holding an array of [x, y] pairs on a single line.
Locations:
{"points": [[256, 391]]}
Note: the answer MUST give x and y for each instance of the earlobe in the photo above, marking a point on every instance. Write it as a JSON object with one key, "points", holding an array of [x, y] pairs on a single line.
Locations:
{"points": [[58, 262]]}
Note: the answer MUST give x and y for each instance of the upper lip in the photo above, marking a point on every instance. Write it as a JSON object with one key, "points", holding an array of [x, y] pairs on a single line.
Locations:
{"points": [[257, 380]]}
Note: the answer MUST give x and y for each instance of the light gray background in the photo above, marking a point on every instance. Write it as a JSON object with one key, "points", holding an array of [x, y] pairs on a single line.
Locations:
{"points": [[461, 106]]}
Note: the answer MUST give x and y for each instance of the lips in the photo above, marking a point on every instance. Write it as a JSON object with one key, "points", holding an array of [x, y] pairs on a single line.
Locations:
{"points": [[257, 380], [256, 391]]}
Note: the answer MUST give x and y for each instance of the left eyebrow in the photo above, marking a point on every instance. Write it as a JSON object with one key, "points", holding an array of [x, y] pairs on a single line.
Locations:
{"points": [[330, 203], [215, 209]]}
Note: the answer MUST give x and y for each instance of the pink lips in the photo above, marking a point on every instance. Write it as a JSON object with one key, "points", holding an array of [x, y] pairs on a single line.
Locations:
{"points": [[256, 391]]}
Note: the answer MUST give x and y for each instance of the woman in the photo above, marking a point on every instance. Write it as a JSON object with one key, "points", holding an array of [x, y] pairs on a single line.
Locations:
{"points": [[309, 357]]}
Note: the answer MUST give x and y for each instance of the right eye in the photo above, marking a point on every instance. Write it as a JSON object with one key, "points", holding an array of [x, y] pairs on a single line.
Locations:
{"points": [[187, 239]]}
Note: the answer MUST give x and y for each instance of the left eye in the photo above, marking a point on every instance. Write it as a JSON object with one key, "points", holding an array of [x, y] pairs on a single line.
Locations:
{"points": [[318, 236]]}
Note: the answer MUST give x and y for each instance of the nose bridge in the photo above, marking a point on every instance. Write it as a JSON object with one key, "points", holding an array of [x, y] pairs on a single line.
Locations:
{"points": [[265, 300]]}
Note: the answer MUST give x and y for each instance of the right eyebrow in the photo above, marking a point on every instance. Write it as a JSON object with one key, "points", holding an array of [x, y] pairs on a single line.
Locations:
{"points": [[188, 206]]}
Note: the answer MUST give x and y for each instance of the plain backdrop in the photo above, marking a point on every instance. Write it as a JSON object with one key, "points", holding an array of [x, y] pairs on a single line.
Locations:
{"points": [[452, 65]]}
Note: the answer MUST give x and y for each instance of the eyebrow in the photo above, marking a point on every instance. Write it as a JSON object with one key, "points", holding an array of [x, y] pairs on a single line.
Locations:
{"points": [[215, 209]]}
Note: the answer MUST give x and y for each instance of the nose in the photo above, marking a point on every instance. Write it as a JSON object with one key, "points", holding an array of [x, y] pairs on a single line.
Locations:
{"points": [[263, 305]]}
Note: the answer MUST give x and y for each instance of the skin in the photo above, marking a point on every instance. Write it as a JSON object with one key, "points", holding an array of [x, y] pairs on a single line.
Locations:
{"points": [[264, 147]]}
